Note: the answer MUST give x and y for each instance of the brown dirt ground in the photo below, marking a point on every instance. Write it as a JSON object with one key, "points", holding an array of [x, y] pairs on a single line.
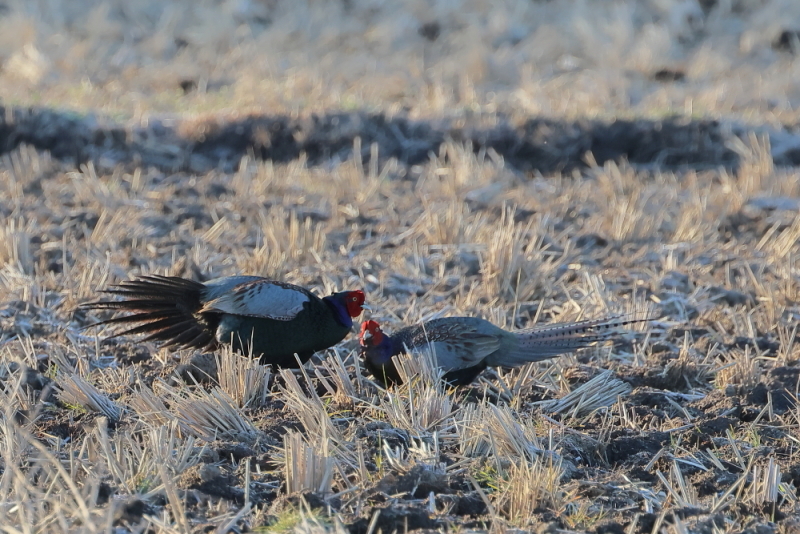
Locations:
{"points": [[680, 405]]}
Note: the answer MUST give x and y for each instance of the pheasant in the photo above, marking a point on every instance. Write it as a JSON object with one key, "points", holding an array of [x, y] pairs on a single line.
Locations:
{"points": [[465, 346], [268, 319]]}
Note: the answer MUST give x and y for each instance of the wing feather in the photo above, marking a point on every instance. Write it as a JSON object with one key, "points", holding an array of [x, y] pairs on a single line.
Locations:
{"points": [[261, 298], [457, 345]]}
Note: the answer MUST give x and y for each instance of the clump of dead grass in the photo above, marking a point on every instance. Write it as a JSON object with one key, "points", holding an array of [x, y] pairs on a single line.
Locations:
{"points": [[304, 468], [335, 377], [243, 378], [528, 486], [75, 391], [310, 410], [633, 210], [208, 414], [599, 392], [738, 368], [15, 236], [517, 258], [28, 500], [485, 429], [421, 405]]}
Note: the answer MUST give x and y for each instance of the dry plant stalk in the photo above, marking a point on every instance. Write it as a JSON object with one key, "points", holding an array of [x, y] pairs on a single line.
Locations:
{"points": [[755, 169], [528, 486], [764, 488], [516, 260], [309, 410], [421, 366], [423, 453], [599, 392], [631, 211], [209, 415], [135, 457], [421, 404], [150, 407], [76, 391], [13, 397], [304, 468], [48, 491], [738, 368], [15, 245], [785, 242], [344, 389], [470, 427], [285, 239], [244, 379], [54, 498], [684, 494], [320, 432], [486, 428], [511, 438], [448, 224]]}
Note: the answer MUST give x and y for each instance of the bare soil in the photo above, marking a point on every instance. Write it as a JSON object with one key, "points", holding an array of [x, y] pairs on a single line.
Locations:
{"points": [[668, 452], [522, 161], [542, 145]]}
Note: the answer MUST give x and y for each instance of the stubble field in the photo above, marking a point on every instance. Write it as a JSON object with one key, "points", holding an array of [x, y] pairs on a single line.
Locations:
{"points": [[525, 162]]}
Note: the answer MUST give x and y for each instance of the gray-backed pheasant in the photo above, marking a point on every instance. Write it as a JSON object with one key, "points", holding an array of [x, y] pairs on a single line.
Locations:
{"points": [[465, 346]]}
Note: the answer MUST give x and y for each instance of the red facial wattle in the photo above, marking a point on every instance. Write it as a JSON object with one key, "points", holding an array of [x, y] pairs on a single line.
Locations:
{"points": [[354, 302], [374, 337]]}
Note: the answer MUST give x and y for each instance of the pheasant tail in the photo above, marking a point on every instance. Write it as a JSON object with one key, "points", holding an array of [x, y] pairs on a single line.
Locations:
{"points": [[164, 307], [541, 343]]}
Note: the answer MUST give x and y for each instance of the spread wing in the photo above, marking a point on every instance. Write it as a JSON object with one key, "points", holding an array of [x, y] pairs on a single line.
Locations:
{"points": [[260, 298]]}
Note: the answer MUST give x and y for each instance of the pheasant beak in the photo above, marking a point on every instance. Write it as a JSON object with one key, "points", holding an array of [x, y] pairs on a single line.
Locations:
{"points": [[366, 335], [366, 307]]}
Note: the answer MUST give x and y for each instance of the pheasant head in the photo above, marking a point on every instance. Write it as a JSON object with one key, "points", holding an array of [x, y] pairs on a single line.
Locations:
{"points": [[347, 305], [374, 343]]}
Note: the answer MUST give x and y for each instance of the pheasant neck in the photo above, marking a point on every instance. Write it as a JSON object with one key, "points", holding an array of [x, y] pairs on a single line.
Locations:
{"points": [[339, 312], [388, 347]]}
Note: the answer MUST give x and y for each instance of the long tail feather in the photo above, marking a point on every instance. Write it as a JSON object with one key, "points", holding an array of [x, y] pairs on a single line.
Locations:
{"points": [[163, 307], [541, 343], [153, 327]]}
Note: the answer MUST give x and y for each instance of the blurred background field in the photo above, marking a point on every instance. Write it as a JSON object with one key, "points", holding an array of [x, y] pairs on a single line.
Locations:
{"points": [[560, 58]]}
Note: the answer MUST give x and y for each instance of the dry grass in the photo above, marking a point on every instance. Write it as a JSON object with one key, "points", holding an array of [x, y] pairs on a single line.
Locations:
{"points": [[730, 291], [689, 420], [530, 485], [243, 379], [571, 58], [599, 392]]}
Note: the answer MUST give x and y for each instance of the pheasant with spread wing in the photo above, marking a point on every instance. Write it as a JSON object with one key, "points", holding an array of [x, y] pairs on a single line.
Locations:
{"points": [[266, 318], [465, 346]]}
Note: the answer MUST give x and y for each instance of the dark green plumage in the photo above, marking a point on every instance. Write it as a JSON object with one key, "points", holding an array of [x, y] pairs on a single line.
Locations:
{"points": [[269, 319], [277, 342]]}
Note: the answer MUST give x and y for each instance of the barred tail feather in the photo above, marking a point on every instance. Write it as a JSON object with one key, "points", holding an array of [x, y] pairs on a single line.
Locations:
{"points": [[541, 343], [163, 307]]}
